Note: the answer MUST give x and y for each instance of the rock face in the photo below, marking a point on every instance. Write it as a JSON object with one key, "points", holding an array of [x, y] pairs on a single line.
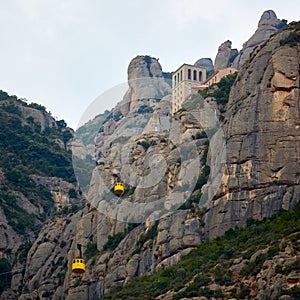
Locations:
{"points": [[144, 66], [225, 56], [261, 177], [145, 78], [32, 115], [40, 117], [26, 203], [268, 25], [262, 126], [144, 138], [205, 63]]}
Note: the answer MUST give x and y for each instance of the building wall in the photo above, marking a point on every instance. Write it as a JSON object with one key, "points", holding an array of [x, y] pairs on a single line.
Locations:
{"points": [[216, 77], [183, 81]]}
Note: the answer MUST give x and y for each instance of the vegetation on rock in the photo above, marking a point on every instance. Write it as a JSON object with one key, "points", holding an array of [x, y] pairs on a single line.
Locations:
{"points": [[210, 263], [5, 278], [27, 150], [220, 91]]}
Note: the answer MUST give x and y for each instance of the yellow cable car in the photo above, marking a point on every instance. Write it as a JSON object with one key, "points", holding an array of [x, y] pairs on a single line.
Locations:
{"points": [[78, 263], [119, 187]]}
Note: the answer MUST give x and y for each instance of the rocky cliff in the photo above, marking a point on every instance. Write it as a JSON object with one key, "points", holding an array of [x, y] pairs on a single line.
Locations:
{"points": [[262, 131], [261, 176], [33, 155], [123, 251], [140, 143], [267, 26]]}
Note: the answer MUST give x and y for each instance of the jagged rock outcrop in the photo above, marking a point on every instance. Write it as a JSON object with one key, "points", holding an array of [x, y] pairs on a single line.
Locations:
{"points": [[225, 56], [145, 78], [262, 128], [267, 25], [205, 63]]}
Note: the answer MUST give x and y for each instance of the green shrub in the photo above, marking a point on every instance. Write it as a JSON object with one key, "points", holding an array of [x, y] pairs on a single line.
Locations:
{"points": [[117, 116], [23, 250], [72, 193], [293, 292], [222, 276], [47, 294], [189, 204], [37, 106], [253, 268], [272, 251], [220, 91], [150, 234], [62, 244], [144, 144], [91, 250], [6, 274], [113, 241], [3, 95], [144, 109], [199, 135], [292, 39], [202, 178]]}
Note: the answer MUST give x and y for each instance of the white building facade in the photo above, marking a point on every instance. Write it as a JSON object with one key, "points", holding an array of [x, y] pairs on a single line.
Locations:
{"points": [[184, 81]]}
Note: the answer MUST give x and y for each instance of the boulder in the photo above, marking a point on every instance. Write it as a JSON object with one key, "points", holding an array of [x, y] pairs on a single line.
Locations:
{"points": [[205, 63]]}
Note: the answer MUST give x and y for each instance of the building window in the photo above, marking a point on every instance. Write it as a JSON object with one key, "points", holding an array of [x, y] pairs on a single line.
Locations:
{"points": [[181, 75], [189, 74], [195, 75], [200, 76], [175, 80]]}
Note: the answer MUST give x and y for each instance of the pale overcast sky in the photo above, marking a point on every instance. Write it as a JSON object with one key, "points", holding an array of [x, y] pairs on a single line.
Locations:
{"points": [[64, 53]]}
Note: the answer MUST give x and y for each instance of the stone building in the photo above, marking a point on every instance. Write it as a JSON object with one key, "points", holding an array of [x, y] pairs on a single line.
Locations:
{"points": [[184, 79], [217, 76]]}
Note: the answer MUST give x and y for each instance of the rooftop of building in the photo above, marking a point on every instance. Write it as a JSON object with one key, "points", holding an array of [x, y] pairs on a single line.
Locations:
{"points": [[188, 65]]}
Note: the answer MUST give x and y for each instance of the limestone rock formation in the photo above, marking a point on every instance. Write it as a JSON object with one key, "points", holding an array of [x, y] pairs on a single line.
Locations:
{"points": [[268, 24], [132, 146], [146, 80], [205, 63], [144, 66], [262, 126], [261, 177], [225, 56]]}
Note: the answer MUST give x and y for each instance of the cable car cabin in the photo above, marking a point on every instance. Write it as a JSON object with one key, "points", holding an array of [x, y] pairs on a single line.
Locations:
{"points": [[78, 265], [119, 188]]}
